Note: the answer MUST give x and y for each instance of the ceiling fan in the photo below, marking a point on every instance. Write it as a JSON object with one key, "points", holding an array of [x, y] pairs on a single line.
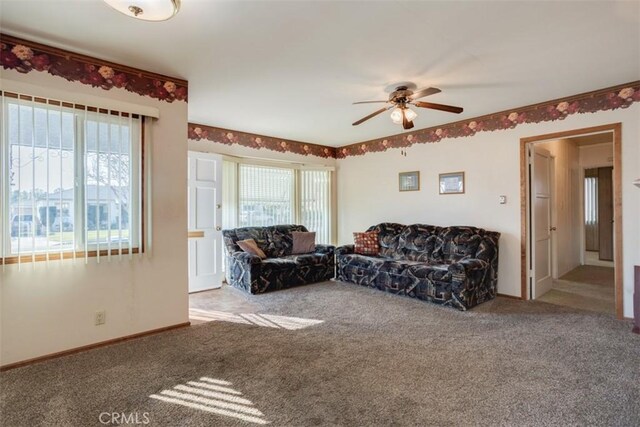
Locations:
{"points": [[401, 98]]}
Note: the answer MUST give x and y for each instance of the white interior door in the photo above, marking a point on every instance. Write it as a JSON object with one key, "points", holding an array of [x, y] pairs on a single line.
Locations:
{"points": [[205, 237], [540, 215]]}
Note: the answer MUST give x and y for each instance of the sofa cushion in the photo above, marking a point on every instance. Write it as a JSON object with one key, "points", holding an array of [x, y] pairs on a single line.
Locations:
{"points": [[303, 242], [251, 247], [280, 263], [397, 266], [418, 242], [366, 243], [256, 233], [388, 238], [457, 243], [279, 240], [309, 259]]}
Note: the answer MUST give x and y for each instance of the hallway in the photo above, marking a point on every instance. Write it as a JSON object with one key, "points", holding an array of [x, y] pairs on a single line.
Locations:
{"points": [[586, 287]]}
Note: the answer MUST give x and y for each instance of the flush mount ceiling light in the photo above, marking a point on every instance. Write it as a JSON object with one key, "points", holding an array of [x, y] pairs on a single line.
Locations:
{"points": [[147, 10]]}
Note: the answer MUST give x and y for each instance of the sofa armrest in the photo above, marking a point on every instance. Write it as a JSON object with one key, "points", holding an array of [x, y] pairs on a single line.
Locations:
{"points": [[467, 265], [325, 249], [468, 274], [246, 258], [345, 250]]}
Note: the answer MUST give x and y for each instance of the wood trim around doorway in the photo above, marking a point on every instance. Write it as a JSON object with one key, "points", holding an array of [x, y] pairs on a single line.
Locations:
{"points": [[616, 128]]}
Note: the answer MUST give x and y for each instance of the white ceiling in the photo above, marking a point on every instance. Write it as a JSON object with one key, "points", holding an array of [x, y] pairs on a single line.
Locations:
{"points": [[292, 69]]}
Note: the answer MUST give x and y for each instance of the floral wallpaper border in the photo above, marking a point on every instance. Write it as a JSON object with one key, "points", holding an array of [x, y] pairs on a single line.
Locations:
{"points": [[612, 98], [198, 132], [25, 56]]}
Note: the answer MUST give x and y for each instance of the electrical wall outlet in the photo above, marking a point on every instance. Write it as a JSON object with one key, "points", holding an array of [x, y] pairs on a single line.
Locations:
{"points": [[101, 317], [503, 200]]}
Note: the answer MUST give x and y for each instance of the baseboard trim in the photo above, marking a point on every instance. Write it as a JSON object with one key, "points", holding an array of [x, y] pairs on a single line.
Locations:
{"points": [[91, 346], [509, 296]]}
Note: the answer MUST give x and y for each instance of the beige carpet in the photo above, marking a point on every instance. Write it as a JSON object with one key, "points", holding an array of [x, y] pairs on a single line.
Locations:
{"points": [[585, 288], [591, 274], [342, 355]]}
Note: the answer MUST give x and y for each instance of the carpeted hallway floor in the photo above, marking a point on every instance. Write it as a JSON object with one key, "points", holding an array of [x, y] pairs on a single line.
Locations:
{"points": [[586, 287], [339, 354]]}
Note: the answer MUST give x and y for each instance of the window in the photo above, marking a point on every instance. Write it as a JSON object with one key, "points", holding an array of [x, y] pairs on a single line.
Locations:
{"points": [[591, 200], [262, 195], [315, 206], [70, 179], [265, 196]]}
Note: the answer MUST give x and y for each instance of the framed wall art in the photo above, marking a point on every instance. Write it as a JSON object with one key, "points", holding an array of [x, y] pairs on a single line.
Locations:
{"points": [[409, 181], [452, 183]]}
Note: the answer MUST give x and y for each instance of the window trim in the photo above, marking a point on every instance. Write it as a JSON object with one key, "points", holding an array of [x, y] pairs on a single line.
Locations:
{"points": [[90, 250]]}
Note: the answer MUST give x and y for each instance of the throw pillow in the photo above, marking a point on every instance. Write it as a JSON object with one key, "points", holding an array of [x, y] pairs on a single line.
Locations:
{"points": [[251, 247], [303, 242], [366, 243]]}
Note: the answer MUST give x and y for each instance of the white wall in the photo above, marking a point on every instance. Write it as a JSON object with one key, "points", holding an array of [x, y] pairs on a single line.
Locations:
{"points": [[598, 155], [566, 206], [368, 188], [50, 308]]}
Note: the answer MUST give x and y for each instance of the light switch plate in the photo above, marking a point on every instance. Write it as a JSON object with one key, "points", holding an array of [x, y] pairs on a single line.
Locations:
{"points": [[101, 318], [503, 200]]}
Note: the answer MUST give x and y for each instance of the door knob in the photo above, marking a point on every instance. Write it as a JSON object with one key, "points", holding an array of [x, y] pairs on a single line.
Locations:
{"points": [[553, 229], [218, 228]]}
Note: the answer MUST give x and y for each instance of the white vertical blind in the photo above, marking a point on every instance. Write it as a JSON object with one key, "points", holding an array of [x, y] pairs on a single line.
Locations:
{"points": [[68, 180], [591, 200], [265, 195], [229, 194], [315, 203]]}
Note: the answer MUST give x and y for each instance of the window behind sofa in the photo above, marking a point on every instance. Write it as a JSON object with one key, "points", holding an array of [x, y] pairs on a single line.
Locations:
{"points": [[264, 194]]}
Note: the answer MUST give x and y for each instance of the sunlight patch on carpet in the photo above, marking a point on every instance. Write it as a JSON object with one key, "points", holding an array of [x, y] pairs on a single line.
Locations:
{"points": [[265, 320], [213, 396]]}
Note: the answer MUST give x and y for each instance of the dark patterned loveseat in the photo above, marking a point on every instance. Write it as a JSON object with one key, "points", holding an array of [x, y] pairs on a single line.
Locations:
{"points": [[281, 269], [453, 266]]}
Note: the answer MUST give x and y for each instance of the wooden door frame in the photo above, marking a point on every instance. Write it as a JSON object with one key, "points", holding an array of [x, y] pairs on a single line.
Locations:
{"points": [[616, 128]]}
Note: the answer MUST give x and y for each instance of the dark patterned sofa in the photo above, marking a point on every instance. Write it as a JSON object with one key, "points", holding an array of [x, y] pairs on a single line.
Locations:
{"points": [[281, 269], [453, 266]]}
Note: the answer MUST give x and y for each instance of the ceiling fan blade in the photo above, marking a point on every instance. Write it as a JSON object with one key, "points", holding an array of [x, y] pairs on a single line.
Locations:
{"points": [[441, 107], [382, 110], [425, 92], [368, 102], [406, 124]]}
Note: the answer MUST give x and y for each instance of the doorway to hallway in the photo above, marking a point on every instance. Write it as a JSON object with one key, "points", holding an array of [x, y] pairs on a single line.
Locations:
{"points": [[571, 203]]}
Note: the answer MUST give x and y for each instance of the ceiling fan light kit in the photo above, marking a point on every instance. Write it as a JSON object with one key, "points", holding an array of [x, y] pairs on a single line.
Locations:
{"points": [[400, 98], [398, 115], [410, 114], [146, 10]]}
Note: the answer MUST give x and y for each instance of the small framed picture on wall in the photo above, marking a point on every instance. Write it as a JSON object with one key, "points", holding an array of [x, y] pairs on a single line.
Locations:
{"points": [[452, 183], [409, 181]]}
